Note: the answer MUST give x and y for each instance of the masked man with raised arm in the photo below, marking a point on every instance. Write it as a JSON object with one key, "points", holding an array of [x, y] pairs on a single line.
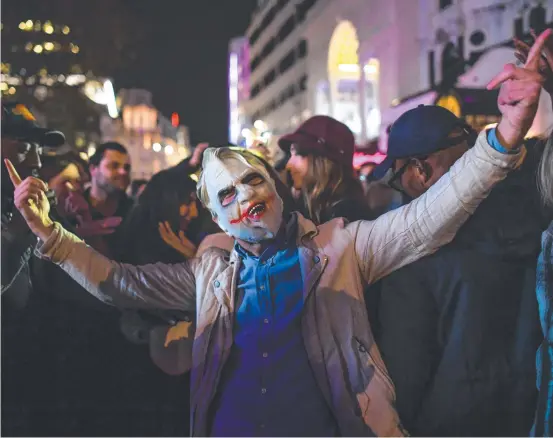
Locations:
{"points": [[282, 344]]}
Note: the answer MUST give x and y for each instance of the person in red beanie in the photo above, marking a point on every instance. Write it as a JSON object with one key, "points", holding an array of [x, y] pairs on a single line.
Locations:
{"points": [[321, 165]]}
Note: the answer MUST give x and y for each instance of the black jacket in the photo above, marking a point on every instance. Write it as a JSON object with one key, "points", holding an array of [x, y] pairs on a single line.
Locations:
{"points": [[17, 247], [459, 330]]}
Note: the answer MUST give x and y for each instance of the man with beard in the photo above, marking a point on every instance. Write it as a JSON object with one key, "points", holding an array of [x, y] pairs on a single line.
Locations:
{"points": [[283, 344], [97, 212]]}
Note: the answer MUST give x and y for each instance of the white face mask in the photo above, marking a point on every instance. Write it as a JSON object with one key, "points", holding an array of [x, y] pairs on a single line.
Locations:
{"points": [[243, 199]]}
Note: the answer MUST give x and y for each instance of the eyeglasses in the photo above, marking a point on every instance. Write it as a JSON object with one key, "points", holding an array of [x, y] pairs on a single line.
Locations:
{"points": [[395, 180]]}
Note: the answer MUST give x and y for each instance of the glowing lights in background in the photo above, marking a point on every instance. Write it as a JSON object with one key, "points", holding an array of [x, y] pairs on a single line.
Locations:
{"points": [[259, 133], [175, 121], [370, 68], [168, 149], [48, 28], [110, 96]]}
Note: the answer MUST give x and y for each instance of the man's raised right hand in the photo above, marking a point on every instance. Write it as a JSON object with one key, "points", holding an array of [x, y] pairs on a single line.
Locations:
{"points": [[30, 199]]}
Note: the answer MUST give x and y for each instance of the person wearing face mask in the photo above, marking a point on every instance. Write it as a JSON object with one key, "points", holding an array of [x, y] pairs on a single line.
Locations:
{"points": [[22, 143], [283, 344]]}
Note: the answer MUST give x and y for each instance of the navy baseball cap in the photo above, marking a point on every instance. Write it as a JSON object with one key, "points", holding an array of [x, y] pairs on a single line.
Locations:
{"points": [[418, 132], [19, 123]]}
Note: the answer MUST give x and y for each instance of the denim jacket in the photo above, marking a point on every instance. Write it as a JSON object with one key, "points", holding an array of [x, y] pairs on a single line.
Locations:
{"points": [[544, 290], [337, 261]]}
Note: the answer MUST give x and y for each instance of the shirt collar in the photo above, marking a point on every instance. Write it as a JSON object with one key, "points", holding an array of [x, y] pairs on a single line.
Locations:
{"points": [[285, 237]]}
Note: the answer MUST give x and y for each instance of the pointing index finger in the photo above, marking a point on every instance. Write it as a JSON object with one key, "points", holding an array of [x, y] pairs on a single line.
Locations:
{"points": [[14, 176], [533, 60]]}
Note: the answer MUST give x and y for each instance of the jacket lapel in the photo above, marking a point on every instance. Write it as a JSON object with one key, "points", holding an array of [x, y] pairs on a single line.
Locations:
{"points": [[224, 285]]}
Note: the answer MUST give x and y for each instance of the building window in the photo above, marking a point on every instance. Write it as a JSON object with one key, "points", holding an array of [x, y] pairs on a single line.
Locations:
{"points": [[255, 90], [269, 47], [287, 28], [303, 83], [303, 8], [445, 3], [287, 62], [302, 49], [255, 63], [269, 78]]}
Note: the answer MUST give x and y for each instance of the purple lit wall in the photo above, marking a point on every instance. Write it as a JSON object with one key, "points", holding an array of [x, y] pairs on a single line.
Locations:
{"points": [[238, 84]]}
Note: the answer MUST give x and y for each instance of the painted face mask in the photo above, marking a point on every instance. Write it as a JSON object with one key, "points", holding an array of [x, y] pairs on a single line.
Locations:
{"points": [[243, 199]]}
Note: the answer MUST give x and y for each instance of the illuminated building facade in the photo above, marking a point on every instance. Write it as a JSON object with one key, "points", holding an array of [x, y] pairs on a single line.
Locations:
{"points": [[238, 88], [365, 63], [153, 141], [327, 57]]}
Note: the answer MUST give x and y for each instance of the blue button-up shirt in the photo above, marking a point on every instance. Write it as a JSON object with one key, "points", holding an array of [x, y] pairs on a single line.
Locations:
{"points": [[267, 387]]}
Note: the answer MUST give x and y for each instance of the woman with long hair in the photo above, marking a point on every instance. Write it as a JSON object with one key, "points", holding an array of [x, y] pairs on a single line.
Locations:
{"points": [[167, 206], [321, 166]]}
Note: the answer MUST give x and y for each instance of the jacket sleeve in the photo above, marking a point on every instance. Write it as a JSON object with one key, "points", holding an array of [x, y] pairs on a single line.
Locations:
{"points": [[154, 286], [430, 221]]}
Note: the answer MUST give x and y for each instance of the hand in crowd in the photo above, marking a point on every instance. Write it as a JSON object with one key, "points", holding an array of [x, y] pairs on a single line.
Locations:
{"points": [[519, 94], [179, 243], [30, 199], [196, 159], [546, 61]]}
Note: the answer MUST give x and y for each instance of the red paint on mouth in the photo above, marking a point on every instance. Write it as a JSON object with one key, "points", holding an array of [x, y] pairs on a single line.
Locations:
{"points": [[255, 215]]}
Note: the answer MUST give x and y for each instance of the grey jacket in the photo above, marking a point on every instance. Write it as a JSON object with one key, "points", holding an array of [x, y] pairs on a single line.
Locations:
{"points": [[337, 261]]}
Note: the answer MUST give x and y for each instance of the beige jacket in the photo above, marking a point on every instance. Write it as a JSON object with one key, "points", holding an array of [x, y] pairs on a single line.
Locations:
{"points": [[337, 262]]}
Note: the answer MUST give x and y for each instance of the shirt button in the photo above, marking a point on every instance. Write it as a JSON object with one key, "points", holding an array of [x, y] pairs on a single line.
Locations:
{"points": [[262, 287], [265, 354], [216, 283], [266, 321], [263, 390]]}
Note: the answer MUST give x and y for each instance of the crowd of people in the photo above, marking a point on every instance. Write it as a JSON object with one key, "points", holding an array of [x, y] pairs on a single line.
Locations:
{"points": [[232, 295]]}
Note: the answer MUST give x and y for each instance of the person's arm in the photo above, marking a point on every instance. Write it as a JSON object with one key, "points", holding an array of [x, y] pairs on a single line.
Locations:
{"points": [[419, 228], [422, 226], [155, 286]]}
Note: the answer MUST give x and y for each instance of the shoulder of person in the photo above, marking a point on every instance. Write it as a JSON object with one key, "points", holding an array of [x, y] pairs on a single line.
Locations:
{"points": [[350, 208], [218, 242]]}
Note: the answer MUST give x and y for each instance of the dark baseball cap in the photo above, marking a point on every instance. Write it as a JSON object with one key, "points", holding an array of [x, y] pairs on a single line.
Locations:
{"points": [[418, 132], [19, 123], [325, 136]]}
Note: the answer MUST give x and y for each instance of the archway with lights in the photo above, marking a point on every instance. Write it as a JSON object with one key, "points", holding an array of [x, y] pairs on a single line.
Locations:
{"points": [[352, 92]]}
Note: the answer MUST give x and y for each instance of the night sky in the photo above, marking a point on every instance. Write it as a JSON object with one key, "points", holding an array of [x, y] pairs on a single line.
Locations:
{"points": [[177, 49], [184, 63]]}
